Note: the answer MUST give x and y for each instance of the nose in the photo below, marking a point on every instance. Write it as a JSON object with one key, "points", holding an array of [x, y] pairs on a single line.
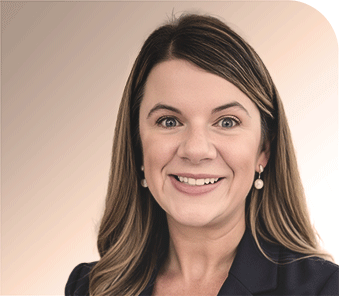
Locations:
{"points": [[196, 146]]}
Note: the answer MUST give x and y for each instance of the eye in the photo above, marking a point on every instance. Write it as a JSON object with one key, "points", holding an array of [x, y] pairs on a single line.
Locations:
{"points": [[228, 122], [168, 122]]}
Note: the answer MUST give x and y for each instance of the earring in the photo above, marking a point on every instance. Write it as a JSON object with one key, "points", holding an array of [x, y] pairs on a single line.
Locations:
{"points": [[258, 183], [143, 181]]}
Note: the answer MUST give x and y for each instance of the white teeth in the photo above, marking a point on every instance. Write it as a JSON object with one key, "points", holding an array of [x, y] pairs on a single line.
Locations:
{"points": [[197, 182], [200, 182], [191, 181]]}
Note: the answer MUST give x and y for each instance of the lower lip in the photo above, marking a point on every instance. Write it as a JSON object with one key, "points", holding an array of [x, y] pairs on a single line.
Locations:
{"points": [[193, 190]]}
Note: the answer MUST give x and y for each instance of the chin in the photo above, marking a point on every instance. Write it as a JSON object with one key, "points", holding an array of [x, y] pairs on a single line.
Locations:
{"points": [[193, 219]]}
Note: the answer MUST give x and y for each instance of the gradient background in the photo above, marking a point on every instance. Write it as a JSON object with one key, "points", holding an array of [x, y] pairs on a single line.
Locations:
{"points": [[64, 66]]}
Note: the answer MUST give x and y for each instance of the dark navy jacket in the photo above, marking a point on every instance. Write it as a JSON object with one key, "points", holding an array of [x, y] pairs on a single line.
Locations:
{"points": [[252, 274]]}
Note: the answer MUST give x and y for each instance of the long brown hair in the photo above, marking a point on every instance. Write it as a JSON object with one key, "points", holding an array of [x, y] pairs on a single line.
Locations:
{"points": [[133, 236]]}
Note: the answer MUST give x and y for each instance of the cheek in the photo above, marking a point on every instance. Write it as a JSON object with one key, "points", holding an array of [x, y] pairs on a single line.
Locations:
{"points": [[157, 152], [241, 156]]}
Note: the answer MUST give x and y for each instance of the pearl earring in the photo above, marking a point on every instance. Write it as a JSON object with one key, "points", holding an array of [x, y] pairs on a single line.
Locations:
{"points": [[143, 181], [258, 183]]}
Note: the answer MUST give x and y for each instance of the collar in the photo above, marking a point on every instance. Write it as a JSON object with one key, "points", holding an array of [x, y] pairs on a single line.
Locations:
{"points": [[251, 272]]}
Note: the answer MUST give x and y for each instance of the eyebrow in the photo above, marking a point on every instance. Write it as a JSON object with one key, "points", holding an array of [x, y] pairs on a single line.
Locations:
{"points": [[160, 106], [230, 105]]}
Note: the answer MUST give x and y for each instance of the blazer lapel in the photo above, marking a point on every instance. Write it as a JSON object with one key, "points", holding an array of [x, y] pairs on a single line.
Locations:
{"points": [[251, 272], [232, 286]]}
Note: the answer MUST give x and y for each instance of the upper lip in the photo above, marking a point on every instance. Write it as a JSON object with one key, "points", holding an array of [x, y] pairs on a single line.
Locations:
{"points": [[197, 176]]}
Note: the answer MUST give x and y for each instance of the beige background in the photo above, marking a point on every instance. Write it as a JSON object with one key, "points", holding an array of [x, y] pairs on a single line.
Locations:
{"points": [[64, 66]]}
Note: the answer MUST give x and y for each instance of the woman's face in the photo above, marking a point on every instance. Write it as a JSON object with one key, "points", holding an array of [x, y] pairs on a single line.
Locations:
{"points": [[201, 144]]}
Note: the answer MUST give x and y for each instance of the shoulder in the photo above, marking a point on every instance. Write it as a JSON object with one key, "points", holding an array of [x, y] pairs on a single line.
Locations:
{"points": [[298, 274], [281, 271], [78, 281], [313, 275]]}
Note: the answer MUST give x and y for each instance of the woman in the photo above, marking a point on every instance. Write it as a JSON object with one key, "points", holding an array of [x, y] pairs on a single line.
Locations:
{"points": [[204, 196]]}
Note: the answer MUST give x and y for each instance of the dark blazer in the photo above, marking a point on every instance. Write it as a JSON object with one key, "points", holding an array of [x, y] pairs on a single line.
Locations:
{"points": [[252, 274]]}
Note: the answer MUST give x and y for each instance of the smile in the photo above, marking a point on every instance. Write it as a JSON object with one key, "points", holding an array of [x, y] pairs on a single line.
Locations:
{"points": [[196, 182], [195, 185]]}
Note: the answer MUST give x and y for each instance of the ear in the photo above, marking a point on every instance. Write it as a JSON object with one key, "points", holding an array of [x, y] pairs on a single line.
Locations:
{"points": [[264, 156]]}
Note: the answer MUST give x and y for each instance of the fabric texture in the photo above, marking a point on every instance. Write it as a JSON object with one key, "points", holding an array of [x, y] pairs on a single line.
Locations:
{"points": [[252, 273]]}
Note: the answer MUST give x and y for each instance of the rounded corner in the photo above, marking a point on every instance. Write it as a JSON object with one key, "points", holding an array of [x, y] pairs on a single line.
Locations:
{"points": [[333, 28]]}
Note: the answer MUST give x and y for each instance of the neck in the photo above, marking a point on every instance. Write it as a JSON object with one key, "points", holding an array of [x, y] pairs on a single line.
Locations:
{"points": [[197, 253]]}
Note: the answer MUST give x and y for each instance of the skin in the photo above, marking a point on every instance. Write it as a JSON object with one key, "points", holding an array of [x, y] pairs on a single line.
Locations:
{"points": [[197, 137]]}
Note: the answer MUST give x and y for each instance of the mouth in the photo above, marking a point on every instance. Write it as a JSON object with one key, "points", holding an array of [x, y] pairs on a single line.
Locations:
{"points": [[197, 186], [196, 182]]}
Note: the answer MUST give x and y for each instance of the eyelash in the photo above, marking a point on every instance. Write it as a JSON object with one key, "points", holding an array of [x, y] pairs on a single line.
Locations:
{"points": [[234, 119], [161, 120]]}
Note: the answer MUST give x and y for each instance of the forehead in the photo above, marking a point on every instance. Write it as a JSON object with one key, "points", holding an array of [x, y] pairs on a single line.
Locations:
{"points": [[185, 85]]}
